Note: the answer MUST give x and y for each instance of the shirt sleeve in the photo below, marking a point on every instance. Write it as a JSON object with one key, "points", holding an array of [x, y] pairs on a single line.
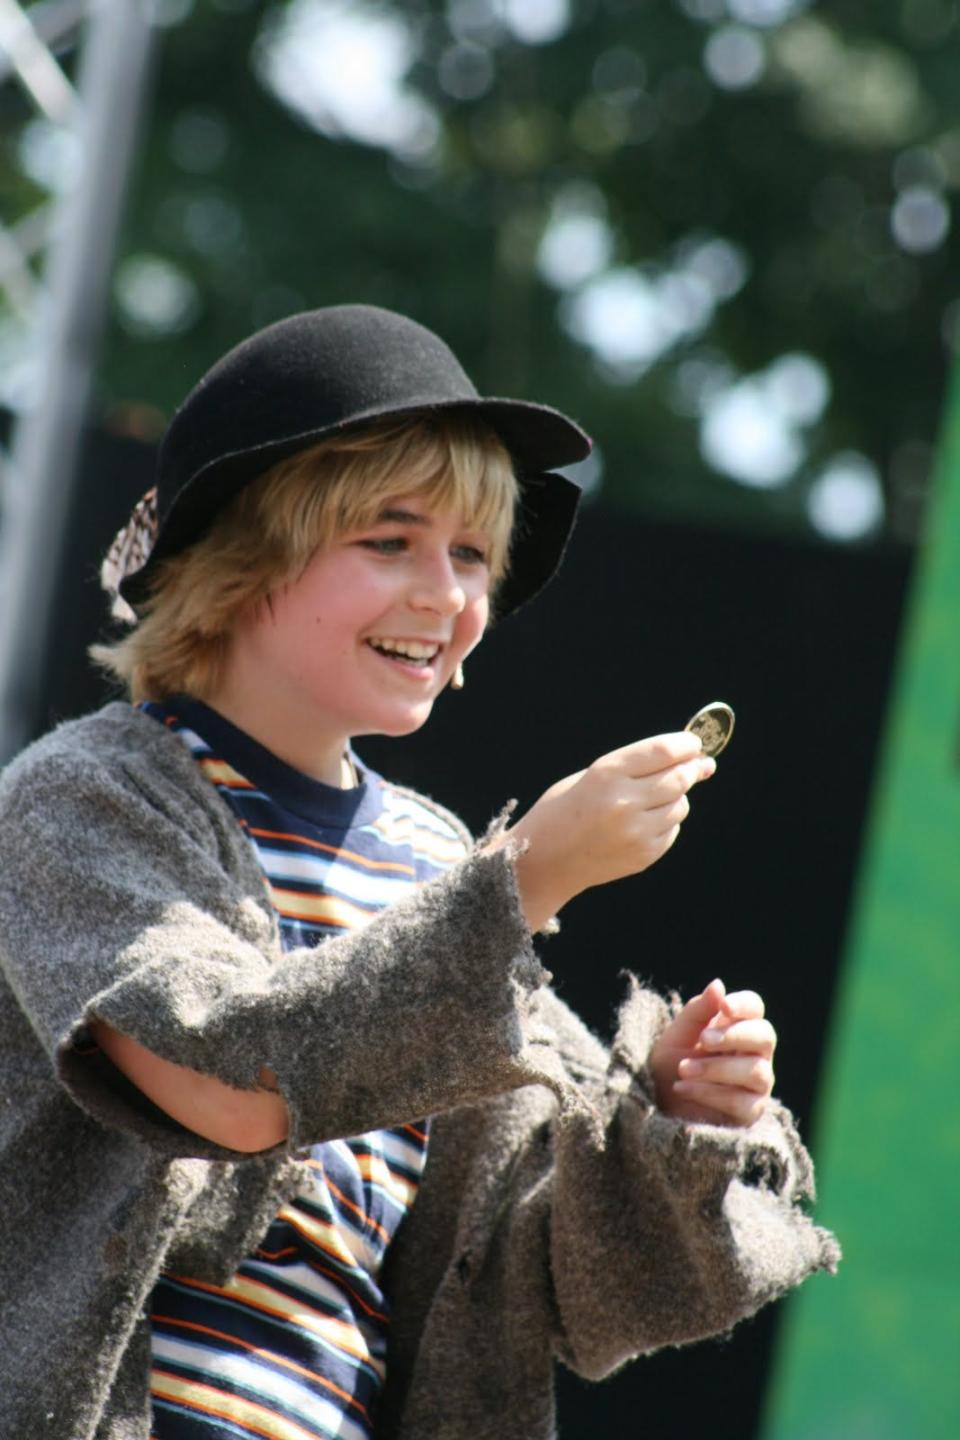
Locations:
{"points": [[137, 902]]}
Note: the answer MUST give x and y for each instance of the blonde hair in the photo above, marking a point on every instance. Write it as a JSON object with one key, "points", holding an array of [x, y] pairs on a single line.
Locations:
{"points": [[267, 534]]}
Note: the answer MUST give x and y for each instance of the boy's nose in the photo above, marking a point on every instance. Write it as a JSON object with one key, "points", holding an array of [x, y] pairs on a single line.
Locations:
{"points": [[437, 587]]}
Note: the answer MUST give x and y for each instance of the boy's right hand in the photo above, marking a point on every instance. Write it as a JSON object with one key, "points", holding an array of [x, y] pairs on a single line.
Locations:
{"points": [[613, 819]]}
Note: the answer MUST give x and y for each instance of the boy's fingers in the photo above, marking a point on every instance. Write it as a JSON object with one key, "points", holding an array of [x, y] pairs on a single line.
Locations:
{"points": [[686, 1029], [655, 792], [665, 817], [744, 1005], [745, 1072], [726, 1102], [714, 994], [744, 1037], [657, 752]]}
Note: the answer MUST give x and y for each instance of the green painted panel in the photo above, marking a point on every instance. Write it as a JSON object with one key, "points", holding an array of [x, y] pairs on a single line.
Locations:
{"points": [[874, 1353]]}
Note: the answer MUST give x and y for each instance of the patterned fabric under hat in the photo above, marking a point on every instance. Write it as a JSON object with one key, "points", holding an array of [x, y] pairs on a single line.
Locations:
{"points": [[130, 549]]}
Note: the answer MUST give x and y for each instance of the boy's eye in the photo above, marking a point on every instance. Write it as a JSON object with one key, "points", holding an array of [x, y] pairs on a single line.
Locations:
{"points": [[470, 554], [398, 544], [385, 544]]}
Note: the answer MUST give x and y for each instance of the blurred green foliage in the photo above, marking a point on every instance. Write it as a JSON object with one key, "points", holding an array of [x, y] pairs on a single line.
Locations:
{"points": [[786, 129]]}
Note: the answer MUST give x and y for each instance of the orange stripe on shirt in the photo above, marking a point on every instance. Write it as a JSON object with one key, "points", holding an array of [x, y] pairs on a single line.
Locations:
{"points": [[350, 855], [208, 1401], [321, 909], [366, 1220], [223, 774], [335, 1276], [324, 1234], [375, 1169], [271, 1355], [340, 1334]]}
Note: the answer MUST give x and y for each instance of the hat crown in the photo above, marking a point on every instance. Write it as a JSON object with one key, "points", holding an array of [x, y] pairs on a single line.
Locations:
{"points": [[312, 372]]}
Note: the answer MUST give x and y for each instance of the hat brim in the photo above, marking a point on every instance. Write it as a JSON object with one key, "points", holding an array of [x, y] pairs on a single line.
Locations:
{"points": [[537, 437]]}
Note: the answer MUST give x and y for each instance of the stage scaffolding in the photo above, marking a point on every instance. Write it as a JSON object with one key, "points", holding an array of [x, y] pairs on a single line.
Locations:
{"points": [[82, 66]]}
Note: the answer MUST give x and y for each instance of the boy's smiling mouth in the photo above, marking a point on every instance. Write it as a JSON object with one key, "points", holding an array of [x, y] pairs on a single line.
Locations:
{"points": [[412, 652]]}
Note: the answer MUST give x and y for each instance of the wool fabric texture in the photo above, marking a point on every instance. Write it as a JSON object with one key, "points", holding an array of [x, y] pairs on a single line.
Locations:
{"points": [[560, 1215]]}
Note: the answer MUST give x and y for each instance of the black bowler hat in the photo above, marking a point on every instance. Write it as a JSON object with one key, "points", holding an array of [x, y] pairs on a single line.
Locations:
{"points": [[326, 371]]}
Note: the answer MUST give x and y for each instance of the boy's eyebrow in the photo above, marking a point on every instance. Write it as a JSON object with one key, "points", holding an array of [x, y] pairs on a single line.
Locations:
{"points": [[398, 516]]}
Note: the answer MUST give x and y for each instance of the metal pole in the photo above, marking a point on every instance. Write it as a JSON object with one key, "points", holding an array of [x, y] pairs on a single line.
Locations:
{"points": [[38, 70], [39, 489]]}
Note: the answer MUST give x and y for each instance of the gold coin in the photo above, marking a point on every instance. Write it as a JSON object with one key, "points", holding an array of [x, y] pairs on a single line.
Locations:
{"points": [[714, 724]]}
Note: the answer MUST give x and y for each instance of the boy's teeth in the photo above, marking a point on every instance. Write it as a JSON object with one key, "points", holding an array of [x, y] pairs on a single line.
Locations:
{"points": [[413, 649]]}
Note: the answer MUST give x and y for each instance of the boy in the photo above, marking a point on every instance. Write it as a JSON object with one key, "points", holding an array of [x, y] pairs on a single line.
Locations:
{"points": [[298, 1141]]}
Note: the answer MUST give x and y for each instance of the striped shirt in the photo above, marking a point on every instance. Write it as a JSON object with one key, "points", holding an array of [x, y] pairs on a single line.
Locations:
{"points": [[294, 1346]]}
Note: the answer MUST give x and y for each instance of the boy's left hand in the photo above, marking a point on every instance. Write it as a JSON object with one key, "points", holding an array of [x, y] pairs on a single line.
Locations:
{"points": [[713, 1063]]}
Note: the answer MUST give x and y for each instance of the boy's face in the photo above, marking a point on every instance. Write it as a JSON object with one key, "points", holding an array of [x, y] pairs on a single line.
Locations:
{"points": [[367, 637]]}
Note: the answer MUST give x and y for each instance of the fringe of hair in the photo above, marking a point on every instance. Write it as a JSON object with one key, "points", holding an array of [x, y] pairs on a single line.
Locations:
{"points": [[268, 533]]}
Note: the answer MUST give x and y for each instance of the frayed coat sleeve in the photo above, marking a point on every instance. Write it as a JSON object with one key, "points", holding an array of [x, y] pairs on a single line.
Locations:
{"points": [[590, 1236], [663, 1231], [131, 895]]}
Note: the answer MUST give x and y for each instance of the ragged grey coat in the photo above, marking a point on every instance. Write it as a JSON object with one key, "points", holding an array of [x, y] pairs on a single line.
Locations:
{"points": [[560, 1216]]}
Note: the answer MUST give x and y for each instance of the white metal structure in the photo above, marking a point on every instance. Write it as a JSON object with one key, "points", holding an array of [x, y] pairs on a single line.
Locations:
{"points": [[54, 274]]}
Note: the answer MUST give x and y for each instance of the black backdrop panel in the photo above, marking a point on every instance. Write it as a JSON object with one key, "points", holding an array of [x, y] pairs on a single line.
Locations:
{"points": [[647, 623]]}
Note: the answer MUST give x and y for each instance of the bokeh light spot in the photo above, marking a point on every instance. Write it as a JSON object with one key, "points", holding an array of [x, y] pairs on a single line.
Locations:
{"points": [[22, 368], [723, 265], [799, 387], [708, 12], [574, 247], [199, 140], [920, 220], [619, 316], [752, 428], [765, 13], [212, 224], [743, 436], [698, 380], [535, 22], [50, 155], [155, 297], [865, 93], [343, 68], [734, 58], [474, 20], [846, 500], [466, 71]]}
